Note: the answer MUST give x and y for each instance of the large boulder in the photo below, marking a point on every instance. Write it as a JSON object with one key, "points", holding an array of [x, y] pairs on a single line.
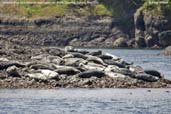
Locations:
{"points": [[13, 71], [120, 42], [140, 42], [165, 38], [167, 51], [151, 41]]}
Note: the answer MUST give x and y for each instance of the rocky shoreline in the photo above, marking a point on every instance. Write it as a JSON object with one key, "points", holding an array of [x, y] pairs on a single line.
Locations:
{"points": [[52, 67], [144, 31]]}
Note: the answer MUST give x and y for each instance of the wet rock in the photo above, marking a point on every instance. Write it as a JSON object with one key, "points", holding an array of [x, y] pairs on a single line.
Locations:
{"points": [[13, 71], [5, 65], [167, 51], [120, 42], [140, 42], [2, 76], [165, 38], [151, 41]]}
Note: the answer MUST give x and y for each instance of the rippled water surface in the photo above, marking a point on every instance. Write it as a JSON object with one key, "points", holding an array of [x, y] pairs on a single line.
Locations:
{"points": [[85, 101], [96, 101]]}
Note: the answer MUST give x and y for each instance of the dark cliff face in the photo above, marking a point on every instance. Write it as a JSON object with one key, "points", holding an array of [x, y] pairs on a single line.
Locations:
{"points": [[152, 30], [61, 31]]}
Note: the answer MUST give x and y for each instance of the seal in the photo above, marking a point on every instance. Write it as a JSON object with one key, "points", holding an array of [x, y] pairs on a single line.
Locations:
{"points": [[41, 66], [136, 69], [79, 55], [82, 51], [74, 61], [96, 60], [68, 56], [114, 57], [91, 73], [6, 64], [91, 66], [113, 62], [146, 77], [105, 57], [114, 75], [154, 73], [68, 70], [43, 75], [95, 53]]}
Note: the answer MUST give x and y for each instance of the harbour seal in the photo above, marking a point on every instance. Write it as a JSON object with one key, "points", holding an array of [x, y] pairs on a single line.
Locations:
{"points": [[43, 75], [96, 60], [136, 69], [114, 57], [153, 73], [103, 57], [74, 61], [146, 77], [91, 67], [114, 75], [91, 73], [95, 53], [68, 70], [113, 62], [79, 55]]}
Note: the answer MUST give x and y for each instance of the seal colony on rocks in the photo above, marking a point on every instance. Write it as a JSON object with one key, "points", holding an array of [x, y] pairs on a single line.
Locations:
{"points": [[47, 67]]}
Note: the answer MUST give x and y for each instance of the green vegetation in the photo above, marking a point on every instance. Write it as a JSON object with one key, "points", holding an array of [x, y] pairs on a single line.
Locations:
{"points": [[105, 7], [158, 7], [43, 10]]}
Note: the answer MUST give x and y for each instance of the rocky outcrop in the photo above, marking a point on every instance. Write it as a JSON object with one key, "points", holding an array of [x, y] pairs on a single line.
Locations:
{"points": [[84, 31], [72, 67], [151, 30]]}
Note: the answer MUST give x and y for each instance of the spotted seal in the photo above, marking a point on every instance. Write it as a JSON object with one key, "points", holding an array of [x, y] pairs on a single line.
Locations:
{"points": [[91, 73]]}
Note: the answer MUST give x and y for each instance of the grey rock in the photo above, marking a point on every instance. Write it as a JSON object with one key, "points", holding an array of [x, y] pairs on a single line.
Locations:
{"points": [[167, 51], [165, 38], [13, 71], [120, 42]]}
